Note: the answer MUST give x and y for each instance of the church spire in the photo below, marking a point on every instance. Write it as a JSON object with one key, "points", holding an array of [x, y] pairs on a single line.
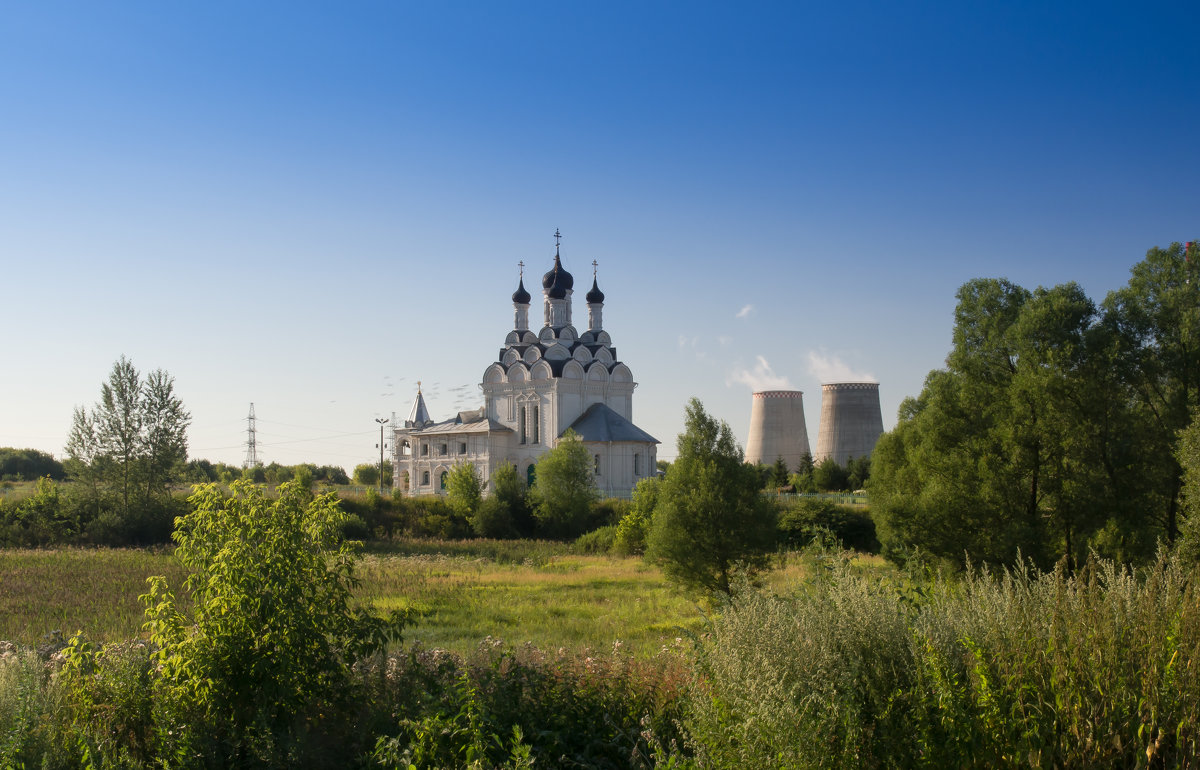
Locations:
{"points": [[420, 414]]}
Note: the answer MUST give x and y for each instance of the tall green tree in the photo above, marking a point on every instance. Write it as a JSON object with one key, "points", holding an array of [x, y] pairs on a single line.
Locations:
{"points": [[564, 488], [1035, 438], [464, 489], [711, 520], [1156, 318], [366, 474], [133, 442]]}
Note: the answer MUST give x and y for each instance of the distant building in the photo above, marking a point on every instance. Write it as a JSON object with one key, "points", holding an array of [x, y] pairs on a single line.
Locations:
{"points": [[851, 421], [542, 384]]}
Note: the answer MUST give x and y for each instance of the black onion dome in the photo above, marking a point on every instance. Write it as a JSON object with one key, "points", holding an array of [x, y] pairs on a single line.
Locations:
{"points": [[595, 295], [558, 281], [520, 296]]}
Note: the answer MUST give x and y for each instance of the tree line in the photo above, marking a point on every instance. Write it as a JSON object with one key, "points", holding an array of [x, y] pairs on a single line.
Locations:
{"points": [[1054, 428]]}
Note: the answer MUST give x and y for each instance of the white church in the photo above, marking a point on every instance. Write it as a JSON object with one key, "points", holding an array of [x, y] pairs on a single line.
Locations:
{"points": [[543, 384]]}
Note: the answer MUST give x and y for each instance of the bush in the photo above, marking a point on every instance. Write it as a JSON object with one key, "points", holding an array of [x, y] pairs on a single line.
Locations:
{"points": [[264, 662], [804, 519], [494, 519], [598, 541], [634, 526]]}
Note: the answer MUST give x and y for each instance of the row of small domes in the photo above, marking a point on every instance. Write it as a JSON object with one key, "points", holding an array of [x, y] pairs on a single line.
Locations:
{"points": [[556, 284]]}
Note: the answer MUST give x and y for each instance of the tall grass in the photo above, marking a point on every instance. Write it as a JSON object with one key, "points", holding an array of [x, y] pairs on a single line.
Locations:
{"points": [[68, 589], [573, 602], [1096, 669]]}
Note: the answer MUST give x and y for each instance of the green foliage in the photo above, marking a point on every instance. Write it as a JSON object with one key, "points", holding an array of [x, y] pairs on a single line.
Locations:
{"points": [[134, 441], [274, 629], [563, 489], [1051, 430], [807, 518], [366, 474], [858, 472], [830, 476], [1187, 453], [464, 489], [598, 541], [1096, 669], [710, 521], [779, 474], [634, 527], [29, 464], [516, 708]]}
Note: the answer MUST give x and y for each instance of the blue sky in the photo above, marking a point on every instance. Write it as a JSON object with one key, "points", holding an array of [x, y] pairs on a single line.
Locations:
{"points": [[313, 206]]}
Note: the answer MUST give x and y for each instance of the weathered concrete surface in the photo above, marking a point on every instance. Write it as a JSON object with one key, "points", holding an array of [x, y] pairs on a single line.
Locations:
{"points": [[851, 421], [777, 428]]}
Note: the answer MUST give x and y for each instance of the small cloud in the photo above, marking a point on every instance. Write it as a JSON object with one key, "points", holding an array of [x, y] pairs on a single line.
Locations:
{"points": [[829, 368], [745, 311], [692, 345], [761, 377], [724, 340]]}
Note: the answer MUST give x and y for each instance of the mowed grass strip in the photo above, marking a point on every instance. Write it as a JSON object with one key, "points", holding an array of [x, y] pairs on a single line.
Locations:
{"points": [[95, 590], [569, 601]]}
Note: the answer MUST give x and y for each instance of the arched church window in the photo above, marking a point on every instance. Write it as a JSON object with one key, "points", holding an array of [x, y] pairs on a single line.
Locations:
{"points": [[424, 450], [442, 450], [637, 464], [521, 425], [425, 478], [442, 481], [536, 427], [597, 465]]}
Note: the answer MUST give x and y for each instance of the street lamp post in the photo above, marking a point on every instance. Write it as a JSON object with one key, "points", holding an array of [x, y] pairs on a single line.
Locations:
{"points": [[382, 421]]}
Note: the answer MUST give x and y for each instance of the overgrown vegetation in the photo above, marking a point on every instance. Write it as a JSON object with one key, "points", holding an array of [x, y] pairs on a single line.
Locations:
{"points": [[1020, 668]]}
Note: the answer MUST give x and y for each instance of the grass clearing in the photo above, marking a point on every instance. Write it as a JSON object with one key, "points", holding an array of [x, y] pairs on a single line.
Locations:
{"points": [[569, 601], [462, 592]]}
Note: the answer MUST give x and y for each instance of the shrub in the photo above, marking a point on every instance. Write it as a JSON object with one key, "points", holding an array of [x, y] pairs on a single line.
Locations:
{"points": [[494, 519], [263, 663], [598, 541], [804, 519]]}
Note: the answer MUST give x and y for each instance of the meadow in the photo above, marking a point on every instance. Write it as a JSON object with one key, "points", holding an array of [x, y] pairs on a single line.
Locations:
{"points": [[842, 661], [460, 592]]}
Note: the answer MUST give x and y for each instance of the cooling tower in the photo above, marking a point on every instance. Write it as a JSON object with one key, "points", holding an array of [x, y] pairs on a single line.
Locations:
{"points": [[851, 421], [777, 428]]}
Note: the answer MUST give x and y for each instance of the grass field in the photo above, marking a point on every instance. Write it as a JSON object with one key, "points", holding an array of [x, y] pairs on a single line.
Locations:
{"points": [[72, 589], [461, 591]]}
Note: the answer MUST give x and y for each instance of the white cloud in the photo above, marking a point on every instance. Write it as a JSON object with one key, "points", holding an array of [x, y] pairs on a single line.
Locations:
{"points": [[693, 346], [761, 377], [745, 311], [827, 368]]}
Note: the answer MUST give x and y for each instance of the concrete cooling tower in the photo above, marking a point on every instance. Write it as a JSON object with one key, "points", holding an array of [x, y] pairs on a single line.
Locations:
{"points": [[851, 421], [777, 428]]}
